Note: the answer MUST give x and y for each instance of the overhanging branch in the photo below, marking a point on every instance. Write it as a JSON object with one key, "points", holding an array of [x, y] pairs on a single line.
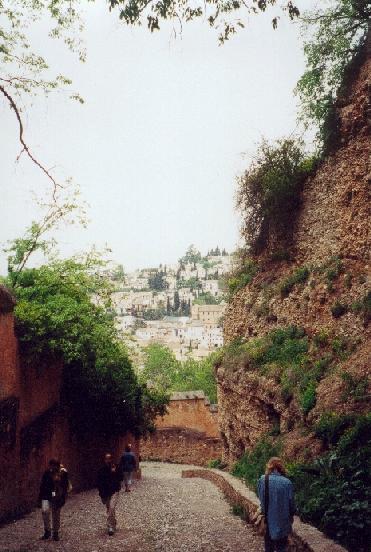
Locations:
{"points": [[25, 148]]}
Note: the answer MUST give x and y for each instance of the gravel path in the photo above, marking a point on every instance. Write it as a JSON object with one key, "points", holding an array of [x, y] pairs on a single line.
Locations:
{"points": [[163, 513]]}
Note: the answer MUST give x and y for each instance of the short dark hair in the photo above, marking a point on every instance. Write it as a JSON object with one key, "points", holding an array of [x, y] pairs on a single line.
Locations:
{"points": [[55, 462]]}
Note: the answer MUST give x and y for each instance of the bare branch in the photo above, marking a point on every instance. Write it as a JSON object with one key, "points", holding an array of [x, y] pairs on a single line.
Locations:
{"points": [[25, 148]]}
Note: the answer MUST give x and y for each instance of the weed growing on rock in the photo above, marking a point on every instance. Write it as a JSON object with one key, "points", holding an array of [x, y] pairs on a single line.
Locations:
{"points": [[299, 276]]}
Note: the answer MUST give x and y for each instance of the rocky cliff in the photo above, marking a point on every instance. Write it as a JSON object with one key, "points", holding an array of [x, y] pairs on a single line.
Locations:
{"points": [[323, 290]]}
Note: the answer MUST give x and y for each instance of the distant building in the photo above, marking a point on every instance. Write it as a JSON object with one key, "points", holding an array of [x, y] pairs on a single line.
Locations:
{"points": [[209, 315], [211, 286]]}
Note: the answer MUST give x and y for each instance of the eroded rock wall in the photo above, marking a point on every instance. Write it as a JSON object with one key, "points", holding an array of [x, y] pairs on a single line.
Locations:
{"points": [[332, 230]]}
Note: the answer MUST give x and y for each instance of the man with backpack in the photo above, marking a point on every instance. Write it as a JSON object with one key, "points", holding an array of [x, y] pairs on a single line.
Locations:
{"points": [[128, 464], [52, 497]]}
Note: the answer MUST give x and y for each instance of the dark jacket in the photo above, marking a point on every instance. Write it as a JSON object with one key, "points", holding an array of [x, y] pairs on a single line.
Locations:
{"points": [[128, 462], [108, 481], [54, 487]]}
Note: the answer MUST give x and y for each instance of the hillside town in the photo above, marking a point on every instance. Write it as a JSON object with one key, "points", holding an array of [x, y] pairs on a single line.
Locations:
{"points": [[180, 306]]}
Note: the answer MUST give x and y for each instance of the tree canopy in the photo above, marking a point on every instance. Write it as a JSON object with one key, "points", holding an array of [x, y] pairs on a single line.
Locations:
{"points": [[335, 36], [164, 373], [62, 313]]}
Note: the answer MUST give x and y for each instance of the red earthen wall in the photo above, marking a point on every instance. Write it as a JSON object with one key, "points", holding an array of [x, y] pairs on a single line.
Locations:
{"points": [[193, 413], [34, 428], [188, 433]]}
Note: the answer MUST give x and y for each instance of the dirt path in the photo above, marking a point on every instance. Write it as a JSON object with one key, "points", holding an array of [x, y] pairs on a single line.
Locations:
{"points": [[163, 513]]}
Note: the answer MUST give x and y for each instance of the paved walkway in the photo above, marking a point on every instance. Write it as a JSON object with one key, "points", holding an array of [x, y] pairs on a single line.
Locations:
{"points": [[163, 513]]}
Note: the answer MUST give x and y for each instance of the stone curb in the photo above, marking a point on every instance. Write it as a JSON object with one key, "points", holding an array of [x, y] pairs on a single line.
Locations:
{"points": [[304, 538]]}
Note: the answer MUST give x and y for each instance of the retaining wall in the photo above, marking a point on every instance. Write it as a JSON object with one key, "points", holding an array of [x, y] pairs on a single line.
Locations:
{"points": [[304, 538]]}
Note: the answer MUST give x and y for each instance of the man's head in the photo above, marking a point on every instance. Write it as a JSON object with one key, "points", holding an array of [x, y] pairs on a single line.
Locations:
{"points": [[108, 458], [128, 448], [54, 464], [275, 464]]}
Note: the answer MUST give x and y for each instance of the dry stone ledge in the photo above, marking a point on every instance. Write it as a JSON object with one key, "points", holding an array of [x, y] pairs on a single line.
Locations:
{"points": [[304, 538]]}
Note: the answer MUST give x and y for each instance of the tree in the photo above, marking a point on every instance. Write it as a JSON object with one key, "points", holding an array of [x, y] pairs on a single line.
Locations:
{"points": [[220, 14], [336, 36], [160, 367], [176, 301], [268, 192], [191, 256], [25, 73], [157, 281], [119, 274]]}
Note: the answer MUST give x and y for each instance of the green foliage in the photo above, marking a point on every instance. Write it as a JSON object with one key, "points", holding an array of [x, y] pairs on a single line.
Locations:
{"points": [[224, 16], [216, 464], [238, 511], [331, 427], [363, 307], [299, 276], [308, 397], [336, 34], [252, 464], [191, 256], [56, 318], [242, 276], [333, 493], [207, 299], [355, 387], [339, 309], [22, 69], [285, 355], [192, 283], [166, 374], [157, 281], [280, 255], [154, 314], [268, 194]]}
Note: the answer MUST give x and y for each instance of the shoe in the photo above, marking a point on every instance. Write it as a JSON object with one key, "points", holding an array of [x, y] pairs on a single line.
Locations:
{"points": [[55, 536], [110, 532], [46, 535]]}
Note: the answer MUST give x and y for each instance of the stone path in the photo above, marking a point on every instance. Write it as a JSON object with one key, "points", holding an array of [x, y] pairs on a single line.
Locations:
{"points": [[163, 513]]}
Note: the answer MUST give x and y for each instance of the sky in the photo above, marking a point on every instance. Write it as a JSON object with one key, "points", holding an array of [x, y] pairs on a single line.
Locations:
{"points": [[167, 125]]}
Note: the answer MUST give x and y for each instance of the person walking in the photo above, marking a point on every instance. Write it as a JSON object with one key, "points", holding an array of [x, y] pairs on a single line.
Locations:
{"points": [[52, 497], [128, 464], [109, 485], [277, 503]]}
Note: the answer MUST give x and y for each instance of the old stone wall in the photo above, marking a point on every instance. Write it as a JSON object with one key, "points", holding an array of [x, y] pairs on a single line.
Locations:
{"points": [[333, 226], [188, 433], [180, 445], [34, 426], [191, 409]]}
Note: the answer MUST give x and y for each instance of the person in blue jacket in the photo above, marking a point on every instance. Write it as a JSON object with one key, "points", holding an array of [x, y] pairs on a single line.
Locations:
{"points": [[281, 505], [128, 464]]}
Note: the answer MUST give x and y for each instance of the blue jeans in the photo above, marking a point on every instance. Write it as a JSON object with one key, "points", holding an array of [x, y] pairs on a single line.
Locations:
{"points": [[279, 545]]}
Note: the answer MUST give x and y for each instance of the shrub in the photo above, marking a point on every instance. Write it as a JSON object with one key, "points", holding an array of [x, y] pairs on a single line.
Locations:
{"points": [[243, 276], [216, 463], [269, 192], [333, 493], [308, 398], [299, 276], [252, 464], [339, 309], [363, 306], [355, 387], [331, 427]]}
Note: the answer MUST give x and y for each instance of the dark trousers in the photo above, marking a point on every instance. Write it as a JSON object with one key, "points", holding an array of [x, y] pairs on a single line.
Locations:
{"points": [[279, 545]]}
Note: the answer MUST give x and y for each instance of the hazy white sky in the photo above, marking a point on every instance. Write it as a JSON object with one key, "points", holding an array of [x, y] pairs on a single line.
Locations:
{"points": [[159, 141]]}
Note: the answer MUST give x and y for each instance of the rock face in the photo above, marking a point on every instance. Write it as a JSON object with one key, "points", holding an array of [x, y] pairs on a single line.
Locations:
{"points": [[332, 240]]}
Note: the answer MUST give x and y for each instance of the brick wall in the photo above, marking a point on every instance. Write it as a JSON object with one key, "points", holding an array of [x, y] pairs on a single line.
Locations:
{"points": [[188, 433]]}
